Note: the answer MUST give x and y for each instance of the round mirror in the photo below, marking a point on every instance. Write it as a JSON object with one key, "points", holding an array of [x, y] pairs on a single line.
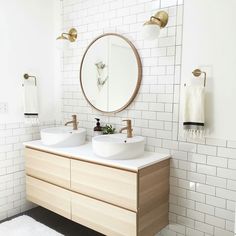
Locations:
{"points": [[110, 73]]}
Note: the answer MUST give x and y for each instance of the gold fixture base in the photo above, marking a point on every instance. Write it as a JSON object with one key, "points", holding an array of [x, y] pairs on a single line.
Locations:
{"points": [[72, 35], [162, 17], [197, 72]]}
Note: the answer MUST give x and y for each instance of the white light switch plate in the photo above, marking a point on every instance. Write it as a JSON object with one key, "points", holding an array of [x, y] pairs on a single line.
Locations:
{"points": [[3, 107]]}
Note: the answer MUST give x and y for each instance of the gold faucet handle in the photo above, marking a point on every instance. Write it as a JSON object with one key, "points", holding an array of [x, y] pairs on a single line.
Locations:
{"points": [[129, 123]]}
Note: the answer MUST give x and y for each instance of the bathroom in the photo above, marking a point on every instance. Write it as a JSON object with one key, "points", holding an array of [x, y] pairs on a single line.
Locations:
{"points": [[173, 45]]}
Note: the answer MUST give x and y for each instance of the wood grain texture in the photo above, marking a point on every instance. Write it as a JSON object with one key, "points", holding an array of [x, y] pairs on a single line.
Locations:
{"points": [[103, 217], [109, 200], [49, 196], [153, 198], [52, 168], [108, 184]]}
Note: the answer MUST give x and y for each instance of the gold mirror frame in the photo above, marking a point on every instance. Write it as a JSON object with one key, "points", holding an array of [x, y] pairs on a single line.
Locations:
{"points": [[139, 79]]}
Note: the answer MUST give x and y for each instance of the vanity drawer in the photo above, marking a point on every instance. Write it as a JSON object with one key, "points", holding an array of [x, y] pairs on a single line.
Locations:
{"points": [[108, 184], [52, 168], [102, 217], [49, 196]]}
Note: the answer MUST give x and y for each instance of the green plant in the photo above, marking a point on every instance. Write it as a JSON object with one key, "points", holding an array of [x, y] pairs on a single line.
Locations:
{"points": [[108, 129]]}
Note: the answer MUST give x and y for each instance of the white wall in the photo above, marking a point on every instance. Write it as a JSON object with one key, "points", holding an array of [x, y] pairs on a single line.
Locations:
{"points": [[28, 30], [209, 43], [203, 172], [202, 178]]}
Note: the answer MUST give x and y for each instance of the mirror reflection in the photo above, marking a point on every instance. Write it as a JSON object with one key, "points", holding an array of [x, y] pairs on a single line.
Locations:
{"points": [[110, 73]]}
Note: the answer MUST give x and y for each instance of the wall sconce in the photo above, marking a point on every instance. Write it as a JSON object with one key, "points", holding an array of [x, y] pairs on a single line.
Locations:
{"points": [[151, 29], [64, 39]]}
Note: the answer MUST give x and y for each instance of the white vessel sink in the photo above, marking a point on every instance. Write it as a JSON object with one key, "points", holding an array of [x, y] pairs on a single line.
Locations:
{"points": [[63, 136], [118, 146]]}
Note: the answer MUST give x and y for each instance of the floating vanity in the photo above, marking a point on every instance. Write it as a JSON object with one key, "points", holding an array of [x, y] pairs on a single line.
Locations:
{"points": [[114, 197]]}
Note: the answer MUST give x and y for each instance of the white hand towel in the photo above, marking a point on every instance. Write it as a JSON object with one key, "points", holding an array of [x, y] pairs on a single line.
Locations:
{"points": [[194, 110], [31, 111]]}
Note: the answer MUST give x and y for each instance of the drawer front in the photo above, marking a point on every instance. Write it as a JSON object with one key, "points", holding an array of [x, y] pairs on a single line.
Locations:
{"points": [[102, 217], [49, 167], [108, 184], [49, 196]]}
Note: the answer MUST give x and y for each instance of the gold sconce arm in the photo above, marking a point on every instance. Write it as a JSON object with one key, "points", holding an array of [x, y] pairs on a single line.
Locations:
{"points": [[71, 35], [160, 18], [155, 20]]}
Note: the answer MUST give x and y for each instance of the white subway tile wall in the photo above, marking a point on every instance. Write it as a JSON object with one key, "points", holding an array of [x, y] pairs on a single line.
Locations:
{"points": [[203, 172], [12, 166]]}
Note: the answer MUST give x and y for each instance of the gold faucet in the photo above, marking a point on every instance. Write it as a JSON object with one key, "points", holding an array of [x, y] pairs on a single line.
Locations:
{"points": [[128, 128], [74, 122]]}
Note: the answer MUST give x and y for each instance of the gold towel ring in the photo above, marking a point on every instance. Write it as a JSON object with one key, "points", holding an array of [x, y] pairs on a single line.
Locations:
{"points": [[198, 72], [26, 76]]}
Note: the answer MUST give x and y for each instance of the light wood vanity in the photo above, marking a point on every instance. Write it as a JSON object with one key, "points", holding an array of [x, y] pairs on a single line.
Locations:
{"points": [[110, 198]]}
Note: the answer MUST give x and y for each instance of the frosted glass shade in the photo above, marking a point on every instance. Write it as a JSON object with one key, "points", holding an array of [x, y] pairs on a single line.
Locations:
{"points": [[62, 44], [150, 31]]}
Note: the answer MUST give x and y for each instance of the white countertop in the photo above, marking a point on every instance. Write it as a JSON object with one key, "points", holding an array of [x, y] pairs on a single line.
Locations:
{"points": [[85, 153]]}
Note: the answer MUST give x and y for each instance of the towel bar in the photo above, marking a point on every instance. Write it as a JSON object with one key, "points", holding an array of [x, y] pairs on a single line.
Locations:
{"points": [[26, 76]]}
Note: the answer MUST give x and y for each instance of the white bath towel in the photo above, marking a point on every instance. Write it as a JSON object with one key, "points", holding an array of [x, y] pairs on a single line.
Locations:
{"points": [[194, 111], [31, 110]]}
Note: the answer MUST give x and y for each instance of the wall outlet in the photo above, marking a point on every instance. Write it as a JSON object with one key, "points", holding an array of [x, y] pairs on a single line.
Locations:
{"points": [[3, 107]]}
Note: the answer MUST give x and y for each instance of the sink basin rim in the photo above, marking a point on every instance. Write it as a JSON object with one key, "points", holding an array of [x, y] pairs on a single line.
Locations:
{"points": [[63, 136], [62, 130], [117, 139], [114, 146]]}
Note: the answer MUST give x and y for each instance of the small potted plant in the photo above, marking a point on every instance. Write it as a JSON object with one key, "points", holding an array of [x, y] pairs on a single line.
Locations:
{"points": [[108, 129]]}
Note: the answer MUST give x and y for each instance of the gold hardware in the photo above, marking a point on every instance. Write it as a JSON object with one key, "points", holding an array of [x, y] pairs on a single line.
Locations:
{"points": [[26, 76], [71, 35], [128, 128], [74, 122], [160, 18], [198, 72]]}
